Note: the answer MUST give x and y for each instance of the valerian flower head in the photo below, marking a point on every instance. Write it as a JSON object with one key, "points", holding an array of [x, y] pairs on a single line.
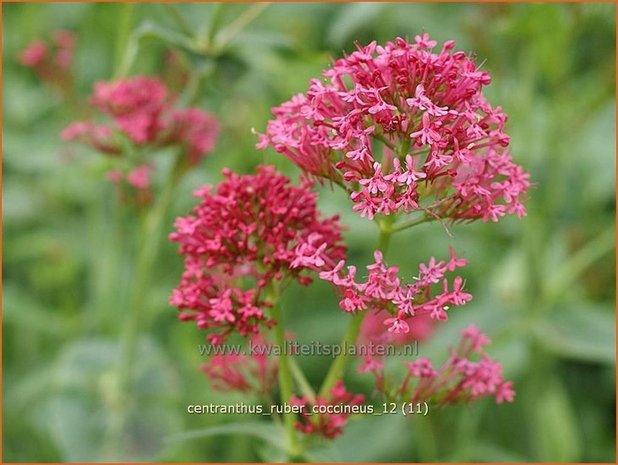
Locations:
{"points": [[144, 114], [250, 232], [196, 129], [331, 413], [51, 60], [404, 128], [375, 331], [464, 377], [135, 104], [254, 372], [383, 294]]}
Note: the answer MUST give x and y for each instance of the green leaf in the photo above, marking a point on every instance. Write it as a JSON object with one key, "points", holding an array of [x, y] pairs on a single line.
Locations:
{"points": [[597, 169], [484, 451], [351, 18], [83, 403], [556, 434], [25, 311], [153, 30], [581, 332], [390, 438]]}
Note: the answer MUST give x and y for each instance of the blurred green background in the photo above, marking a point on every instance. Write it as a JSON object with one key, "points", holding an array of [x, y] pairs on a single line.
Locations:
{"points": [[544, 287]]}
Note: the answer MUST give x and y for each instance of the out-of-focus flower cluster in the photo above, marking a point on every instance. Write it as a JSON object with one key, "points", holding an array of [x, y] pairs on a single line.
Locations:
{"points": [[374, 331], [254, 372], [326, 416], [404, 129], [52, 60], [460, 379], [144, 117], [383, 293], [240, 241]]}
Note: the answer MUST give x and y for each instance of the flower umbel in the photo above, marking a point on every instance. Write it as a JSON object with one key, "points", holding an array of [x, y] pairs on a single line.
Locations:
{"points": [[143, 119], [255, 372], [52, 60], [251, 231], [323, 423], [383, 292], [464, 377], [404, 129]]}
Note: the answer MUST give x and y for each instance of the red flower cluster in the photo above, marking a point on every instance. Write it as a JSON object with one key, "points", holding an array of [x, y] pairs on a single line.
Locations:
{"points": [[51, 61], [383, 292], [459, 379], [404, 129], [239, 240], [326, 416], [142, 111]]}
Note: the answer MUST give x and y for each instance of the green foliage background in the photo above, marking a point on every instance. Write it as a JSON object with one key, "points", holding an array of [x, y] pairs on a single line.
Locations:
{"points": [[544, 287]]}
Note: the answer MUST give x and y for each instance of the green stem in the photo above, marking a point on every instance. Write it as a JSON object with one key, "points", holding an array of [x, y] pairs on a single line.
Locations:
{"points": [[216, 18], [426, 443], [107, 230], [335, 372], [178, 18], [411, 223], [236, 26], [386, 231], [147, 253], [300, 379], [385, 141], [122, 36], [285, 375], [146, 257], [191, 93]]}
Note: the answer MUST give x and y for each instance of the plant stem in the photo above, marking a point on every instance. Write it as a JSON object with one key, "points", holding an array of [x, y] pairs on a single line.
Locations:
{"points": [[336, 369], [123, 35], [384, 237], [147, 253], [300, 379], [216, 17], [412, 223], [426, 444], [335, 372], [178, 18], [236, 26], [285, 375], [385, 141]]}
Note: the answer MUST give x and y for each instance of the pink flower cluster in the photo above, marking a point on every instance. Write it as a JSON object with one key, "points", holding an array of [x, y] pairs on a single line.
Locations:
{"points": [[404, 129], [242, 238], [326, 424], [51, 61], [138, 178], [246, 373], [196, 130], [99, 137], [143, 112], [374, 331], [459, 379], [383, 292], [136, 105]]}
